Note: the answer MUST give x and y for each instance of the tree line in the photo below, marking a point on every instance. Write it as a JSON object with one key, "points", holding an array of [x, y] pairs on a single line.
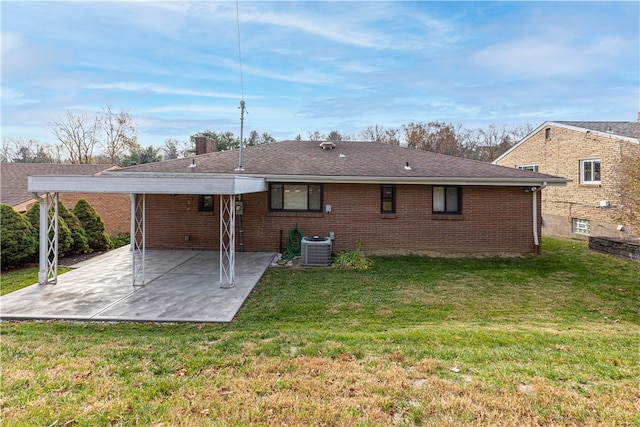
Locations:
{"points": [[110, 136]]}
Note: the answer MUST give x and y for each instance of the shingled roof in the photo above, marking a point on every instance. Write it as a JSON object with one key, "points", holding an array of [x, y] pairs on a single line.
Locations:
{"points": [[626, 129], [349, 159], [13, 177]]}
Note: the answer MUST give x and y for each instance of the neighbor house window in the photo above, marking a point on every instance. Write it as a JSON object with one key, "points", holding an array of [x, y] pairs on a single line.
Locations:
{"points": [[590, 171], [295, 197], [531, 167], [388, 199], [447, 200], [547, 133], [205, 203], [581, 226]]}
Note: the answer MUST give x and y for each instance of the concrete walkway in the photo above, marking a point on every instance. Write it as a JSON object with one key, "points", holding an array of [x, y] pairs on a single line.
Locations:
{"points": [[181, 286]]}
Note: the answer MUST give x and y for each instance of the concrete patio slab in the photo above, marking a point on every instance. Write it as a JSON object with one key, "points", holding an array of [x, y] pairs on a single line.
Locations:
{"points": [[181, 286]]}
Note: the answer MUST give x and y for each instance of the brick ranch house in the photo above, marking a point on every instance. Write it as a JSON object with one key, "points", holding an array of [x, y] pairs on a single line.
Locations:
{"points": [[112, 208], [587, 153], [393, 199]]}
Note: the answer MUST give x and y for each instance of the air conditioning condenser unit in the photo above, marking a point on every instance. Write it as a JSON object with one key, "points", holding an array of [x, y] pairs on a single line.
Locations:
{"points": [[316, 251]]}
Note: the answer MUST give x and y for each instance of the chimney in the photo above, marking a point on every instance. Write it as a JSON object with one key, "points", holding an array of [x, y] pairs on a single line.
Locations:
{"points": [[639, 116], [205, 144]]}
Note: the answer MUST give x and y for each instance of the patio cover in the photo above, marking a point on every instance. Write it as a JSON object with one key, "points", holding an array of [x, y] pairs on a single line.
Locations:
{"points": [[47, 187]]}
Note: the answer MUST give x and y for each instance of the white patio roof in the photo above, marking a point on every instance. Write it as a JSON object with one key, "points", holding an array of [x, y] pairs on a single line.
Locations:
{"points": [[148, 183]]}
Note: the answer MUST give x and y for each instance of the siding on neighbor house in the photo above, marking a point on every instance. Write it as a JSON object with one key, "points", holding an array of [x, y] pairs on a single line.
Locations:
{"points": [[561, 155], [492, 221]]}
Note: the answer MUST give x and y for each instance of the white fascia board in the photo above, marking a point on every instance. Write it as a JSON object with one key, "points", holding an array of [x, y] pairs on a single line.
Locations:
{"points": [[147, 184], [498, 182]]}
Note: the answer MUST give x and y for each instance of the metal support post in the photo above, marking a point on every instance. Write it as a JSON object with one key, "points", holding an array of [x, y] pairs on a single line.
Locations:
{"points": [[48, 271], [227, 240], [138, 238]]}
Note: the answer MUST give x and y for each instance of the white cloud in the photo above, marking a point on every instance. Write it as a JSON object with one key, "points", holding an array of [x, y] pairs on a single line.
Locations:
{"points": [[555, 53], [159, 89]]}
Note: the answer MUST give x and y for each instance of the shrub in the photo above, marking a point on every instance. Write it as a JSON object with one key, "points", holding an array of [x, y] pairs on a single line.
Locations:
{"points": [[65, 241], [80, 244], [122, 239], [352, 260], [93, 226], [16, 237]]}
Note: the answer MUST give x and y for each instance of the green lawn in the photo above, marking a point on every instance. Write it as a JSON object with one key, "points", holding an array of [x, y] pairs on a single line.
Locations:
{"points": [[553, 340]]}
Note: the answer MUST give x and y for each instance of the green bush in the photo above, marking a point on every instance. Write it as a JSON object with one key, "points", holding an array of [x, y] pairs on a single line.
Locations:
{"points": [[80, 243], [65, 241], [16, 237], [122, 239], [93, 226], [352, 260]]}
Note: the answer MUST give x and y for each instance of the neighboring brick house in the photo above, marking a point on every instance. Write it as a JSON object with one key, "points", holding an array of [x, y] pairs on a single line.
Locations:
{"points": [[587, 153], [393, 199], [114, 209]]}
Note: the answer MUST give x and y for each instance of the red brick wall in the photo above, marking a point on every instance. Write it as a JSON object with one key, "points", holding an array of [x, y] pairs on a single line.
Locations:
{"points": [[114, 209], [495, 220]]}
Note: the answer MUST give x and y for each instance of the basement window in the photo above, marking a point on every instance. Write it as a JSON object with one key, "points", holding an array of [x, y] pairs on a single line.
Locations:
{"points": [[581, 226], [447, 200], [295, 197]]}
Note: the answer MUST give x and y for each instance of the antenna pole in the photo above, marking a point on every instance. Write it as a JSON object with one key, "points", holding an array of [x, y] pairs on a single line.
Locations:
{"points": [[242, 109]]}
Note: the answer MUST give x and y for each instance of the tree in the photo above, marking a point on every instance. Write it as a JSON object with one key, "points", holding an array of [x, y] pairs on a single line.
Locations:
{"points": [[174, 149], [266, 138], [488, 143], [16, 237], [26, 150], [80, 244], [438, 137], [97, 237], [118, 132], [316, 136], [65, 241], [140, 155], [77, 133], [334, 135], [380, 134]]}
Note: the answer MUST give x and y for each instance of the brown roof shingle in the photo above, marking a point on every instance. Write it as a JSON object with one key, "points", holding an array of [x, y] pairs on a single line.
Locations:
{"points": [[347, 159], [13, 177]]}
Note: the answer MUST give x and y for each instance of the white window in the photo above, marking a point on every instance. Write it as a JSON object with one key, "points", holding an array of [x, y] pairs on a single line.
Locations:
{"points": [[590, 171], [531, 167], [581, 226]]}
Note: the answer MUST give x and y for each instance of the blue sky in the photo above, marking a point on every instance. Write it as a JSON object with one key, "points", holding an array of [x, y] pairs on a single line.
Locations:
{"points": [[308, 66]]}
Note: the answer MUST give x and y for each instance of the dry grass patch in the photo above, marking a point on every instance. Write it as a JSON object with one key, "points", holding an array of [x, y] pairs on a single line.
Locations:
{"points": [[412, 341]]}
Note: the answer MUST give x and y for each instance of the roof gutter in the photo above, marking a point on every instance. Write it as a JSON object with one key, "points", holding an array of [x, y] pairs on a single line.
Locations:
{"points": [[501, 182]]}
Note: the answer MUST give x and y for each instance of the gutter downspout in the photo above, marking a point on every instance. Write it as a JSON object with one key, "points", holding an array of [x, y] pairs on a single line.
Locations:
{"points": [[536, 238]]}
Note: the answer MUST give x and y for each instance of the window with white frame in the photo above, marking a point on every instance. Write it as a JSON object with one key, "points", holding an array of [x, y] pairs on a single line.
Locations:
{"points": [[590, 171], [530, 167], [581, 226]]}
